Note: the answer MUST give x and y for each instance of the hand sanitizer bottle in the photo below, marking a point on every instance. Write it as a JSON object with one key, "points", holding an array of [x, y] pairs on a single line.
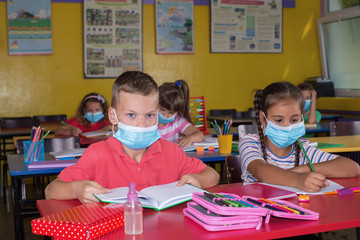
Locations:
{"points": [[133, 217]]}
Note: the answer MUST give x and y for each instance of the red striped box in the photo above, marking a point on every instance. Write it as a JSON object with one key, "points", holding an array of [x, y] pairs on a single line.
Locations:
{"points": [[87, 221]]}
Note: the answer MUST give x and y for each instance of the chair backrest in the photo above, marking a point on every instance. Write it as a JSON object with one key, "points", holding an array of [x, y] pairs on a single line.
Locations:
{"points": [[344, 128], [198, 113], [16, 122], [49, 118], [247, 129], [233, 169], [53, 144], [223, 112]]}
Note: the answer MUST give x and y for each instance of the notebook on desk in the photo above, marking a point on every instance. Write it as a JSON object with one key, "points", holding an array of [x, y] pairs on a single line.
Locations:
{"points": [[52, 164], [206, 143]]}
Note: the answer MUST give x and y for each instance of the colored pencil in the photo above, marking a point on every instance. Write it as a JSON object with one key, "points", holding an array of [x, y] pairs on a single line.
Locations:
{"points": [[306, 156]]}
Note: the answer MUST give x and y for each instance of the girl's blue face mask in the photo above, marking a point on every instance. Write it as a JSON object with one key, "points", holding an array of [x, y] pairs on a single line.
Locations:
{"points": [[136, 138], [307, 105], [284, 136], [94, 117], [165, 120]]}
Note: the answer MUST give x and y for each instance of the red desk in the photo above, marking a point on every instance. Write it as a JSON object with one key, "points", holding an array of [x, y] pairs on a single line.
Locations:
{"points": [[336, 212]]}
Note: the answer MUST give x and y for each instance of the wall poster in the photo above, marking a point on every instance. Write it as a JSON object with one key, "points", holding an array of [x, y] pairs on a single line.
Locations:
{"points": [[29, 27], [174, 26], [112, 37], [246, 26]]}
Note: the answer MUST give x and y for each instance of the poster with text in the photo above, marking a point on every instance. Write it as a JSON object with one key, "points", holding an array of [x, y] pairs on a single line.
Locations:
{"points": [[246, 26], [112, 37], [174, 26], [29, 27]]}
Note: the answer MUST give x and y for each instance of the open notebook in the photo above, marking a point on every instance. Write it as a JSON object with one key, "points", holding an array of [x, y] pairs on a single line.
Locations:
{"points": [[333, 186], [206, 143]]}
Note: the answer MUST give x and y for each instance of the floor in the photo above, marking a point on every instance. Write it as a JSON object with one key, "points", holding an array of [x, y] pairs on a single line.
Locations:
{"points": [[7, 225]]}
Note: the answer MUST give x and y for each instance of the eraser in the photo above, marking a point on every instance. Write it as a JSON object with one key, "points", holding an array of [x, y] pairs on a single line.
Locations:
{"points": [[304, 198], [345, 191], [200, 149], [211, 148]]}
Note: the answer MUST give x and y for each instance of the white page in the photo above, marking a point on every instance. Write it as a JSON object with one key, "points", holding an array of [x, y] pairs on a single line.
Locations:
{"points": [[75, 152], [170, 194], [96, 134], [332, 187], [208, 141], [119, 195]]}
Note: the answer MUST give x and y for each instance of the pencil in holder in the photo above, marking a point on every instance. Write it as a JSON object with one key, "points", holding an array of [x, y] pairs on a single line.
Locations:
{"points": [[33, 151], [225, 143]]}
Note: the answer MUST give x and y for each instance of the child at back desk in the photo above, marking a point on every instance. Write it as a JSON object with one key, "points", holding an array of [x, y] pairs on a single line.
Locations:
{"points": [[311, 115], [91, 116], [273, 156], [135, 153], [174, 114]]}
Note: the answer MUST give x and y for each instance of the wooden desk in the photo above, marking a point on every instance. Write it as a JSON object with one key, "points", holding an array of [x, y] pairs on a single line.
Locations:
{"points": [[336, 212], [352, 143], [323, 127]]}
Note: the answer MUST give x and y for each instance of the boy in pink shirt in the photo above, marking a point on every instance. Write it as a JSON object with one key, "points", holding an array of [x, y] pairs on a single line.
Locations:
{"points": [[135, 153]]}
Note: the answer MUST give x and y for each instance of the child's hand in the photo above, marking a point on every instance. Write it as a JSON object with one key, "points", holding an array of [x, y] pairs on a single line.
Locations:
{"points": [[184, 141], [189, 178], [75, 132], [312, 182], [86, 189], [313, 96]]}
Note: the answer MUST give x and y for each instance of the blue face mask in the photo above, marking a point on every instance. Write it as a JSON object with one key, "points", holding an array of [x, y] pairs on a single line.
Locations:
{"points": [[307, 105], [94, 117], [136, 137], [165, 120], [284, 136]]}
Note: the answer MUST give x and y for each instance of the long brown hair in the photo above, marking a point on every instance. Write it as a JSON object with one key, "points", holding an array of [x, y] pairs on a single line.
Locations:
{"points": [[92, 97], [271, 95], [175, 97]]}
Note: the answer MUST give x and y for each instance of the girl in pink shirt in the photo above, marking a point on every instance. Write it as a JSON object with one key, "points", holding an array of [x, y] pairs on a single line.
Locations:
{"points": [[175, 122]]}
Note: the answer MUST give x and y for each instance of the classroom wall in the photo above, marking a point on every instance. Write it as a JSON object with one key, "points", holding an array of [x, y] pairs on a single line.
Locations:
{"points": [[33, 85]]}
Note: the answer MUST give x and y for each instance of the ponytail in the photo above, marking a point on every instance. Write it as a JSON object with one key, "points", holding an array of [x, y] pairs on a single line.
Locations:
{"points": [[175, 97], [257, 107]]}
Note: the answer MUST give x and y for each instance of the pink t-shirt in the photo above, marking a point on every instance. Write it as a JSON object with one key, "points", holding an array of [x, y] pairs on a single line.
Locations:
{"points": [[171, 131], [106, 163], [93, 127]]}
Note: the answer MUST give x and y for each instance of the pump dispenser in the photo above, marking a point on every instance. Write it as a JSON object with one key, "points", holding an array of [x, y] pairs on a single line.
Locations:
{"points": [[133, 217]]}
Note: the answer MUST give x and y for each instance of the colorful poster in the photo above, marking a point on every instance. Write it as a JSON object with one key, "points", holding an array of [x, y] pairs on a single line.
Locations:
{"points": [[174, 26], [112, 37], [29, 27], [246, 26]]}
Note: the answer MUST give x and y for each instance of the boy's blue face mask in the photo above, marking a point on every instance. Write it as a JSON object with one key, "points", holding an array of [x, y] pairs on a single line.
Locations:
{"points": [[284, 136], [94, 117], [307, 105], [136, 138], [165, 120]]}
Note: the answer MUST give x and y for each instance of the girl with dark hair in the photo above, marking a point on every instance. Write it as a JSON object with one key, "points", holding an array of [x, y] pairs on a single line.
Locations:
{"points": [[91, 115], [174, 114], [274, 155]]}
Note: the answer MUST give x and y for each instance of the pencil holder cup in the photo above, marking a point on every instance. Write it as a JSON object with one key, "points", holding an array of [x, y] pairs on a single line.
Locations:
{"points": [[225, 143], [33, 151]]}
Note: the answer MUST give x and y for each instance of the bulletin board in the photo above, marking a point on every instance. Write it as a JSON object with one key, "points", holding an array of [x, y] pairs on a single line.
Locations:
{"points": [[246, 26], [112, 37]]}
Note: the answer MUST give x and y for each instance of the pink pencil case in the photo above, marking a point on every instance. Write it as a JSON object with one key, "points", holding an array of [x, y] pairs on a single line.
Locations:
{"points": [[211, 205], [284, 209], [215, 222], [252, 206]]}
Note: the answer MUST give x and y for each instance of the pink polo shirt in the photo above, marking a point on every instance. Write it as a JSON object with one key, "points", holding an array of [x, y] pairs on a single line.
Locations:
{"points": [[106, 163]]}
